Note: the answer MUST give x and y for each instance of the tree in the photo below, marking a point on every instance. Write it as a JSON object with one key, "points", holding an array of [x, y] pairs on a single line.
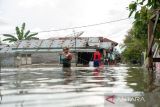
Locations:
{"points": [[142, 10], [20, 35], [152, 5], [136, 39], [133, 48]]}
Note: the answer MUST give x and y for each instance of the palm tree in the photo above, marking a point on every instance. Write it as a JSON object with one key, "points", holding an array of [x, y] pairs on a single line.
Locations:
{"points": [[20, 35]]}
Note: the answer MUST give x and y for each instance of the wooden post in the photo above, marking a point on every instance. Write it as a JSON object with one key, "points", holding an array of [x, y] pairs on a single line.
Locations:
{"points": [[151, 31], [150, 59]]}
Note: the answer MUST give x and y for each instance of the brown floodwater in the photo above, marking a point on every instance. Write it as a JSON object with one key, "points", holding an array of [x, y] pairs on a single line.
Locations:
{"points": [[76, 87]]}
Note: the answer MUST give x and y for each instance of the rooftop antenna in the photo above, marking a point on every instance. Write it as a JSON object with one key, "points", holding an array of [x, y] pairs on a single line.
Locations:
{"points": [[74, 36]]}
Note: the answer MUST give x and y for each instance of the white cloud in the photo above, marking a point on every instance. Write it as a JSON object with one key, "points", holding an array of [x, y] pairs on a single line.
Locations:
{"points": [[35, 3], [57, 14], [6, 28]]}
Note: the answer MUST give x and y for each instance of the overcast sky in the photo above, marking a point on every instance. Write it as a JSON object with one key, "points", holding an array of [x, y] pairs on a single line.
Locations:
{"points": [[42, 15]]}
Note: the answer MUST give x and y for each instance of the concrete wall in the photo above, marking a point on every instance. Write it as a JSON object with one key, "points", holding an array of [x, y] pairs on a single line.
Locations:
{"points": [[47, 58], [12, 60], [7, 60]]}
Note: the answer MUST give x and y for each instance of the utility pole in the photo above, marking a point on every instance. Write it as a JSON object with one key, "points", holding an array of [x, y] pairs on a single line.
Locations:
{"points": [[151, 33], [74, 39], [75, 47], [0, 61]]}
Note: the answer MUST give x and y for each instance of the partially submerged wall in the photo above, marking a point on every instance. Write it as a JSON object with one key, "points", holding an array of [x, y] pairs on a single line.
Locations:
{"points": [[7, 60]]}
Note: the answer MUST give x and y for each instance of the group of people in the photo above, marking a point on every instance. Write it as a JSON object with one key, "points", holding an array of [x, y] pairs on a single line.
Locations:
{"points": [[67, 57]]}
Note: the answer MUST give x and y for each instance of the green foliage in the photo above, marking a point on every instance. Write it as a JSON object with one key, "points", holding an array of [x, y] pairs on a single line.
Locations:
{"points": [[133, 48], [10, 38], [141, 22], [136, 39], [147, 4], [142, 16], [132, 8], [31, 36], [20, 35]]}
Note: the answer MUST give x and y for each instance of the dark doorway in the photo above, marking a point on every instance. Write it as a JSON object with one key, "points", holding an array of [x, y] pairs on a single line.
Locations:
{"points": [[85, 57]]}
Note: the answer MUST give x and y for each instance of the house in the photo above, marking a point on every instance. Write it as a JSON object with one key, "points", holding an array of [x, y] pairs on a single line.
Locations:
{"points": [[109, 51], [27, 52]]}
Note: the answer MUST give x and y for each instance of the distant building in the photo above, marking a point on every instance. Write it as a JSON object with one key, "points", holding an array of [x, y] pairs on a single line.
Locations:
{"points": [[27, 52]]}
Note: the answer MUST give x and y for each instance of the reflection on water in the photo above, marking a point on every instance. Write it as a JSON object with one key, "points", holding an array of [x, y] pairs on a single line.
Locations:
{"points": [[69, 75], [76, 87], [136, 79]]}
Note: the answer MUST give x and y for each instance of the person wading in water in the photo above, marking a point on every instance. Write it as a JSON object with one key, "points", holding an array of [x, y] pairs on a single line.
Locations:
{"points": [[66, 60], [97, 58]]}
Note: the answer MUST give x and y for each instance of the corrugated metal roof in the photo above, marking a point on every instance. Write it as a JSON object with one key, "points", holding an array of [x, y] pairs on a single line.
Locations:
{"points": [[108, 40], [50, 45], [93, 39], [55, 43], [46, 43], [6, 50], [53, 50], [2, 46], [105, 45]]}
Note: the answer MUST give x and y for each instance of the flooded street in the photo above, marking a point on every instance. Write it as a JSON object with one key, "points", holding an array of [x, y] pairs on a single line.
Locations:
{"points": [[80, 87]]}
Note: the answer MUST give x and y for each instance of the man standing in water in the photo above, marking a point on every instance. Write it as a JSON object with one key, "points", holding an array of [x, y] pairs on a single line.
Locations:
{"points": [[66, 58], [66, 61]]}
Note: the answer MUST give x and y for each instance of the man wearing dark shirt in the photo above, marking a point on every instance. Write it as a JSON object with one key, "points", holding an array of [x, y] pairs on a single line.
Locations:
{"points": [[67, 57]]}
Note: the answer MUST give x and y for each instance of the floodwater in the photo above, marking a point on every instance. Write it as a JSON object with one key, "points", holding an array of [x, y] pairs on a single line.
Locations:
{"points": [[78, 87]]}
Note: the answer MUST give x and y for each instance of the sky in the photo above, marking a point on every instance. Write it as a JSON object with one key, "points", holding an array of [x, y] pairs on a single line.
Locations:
{"points": [[44, 15]]}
